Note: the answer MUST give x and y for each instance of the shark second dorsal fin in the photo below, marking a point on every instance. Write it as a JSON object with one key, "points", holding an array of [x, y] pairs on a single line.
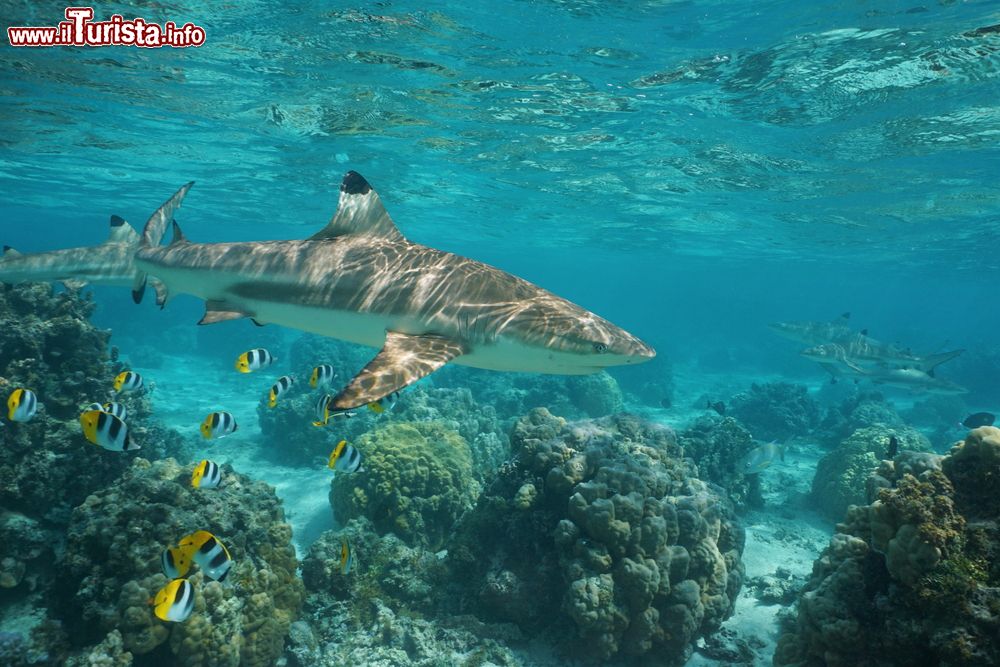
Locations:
{"points": [[178, 234], [402, 361], [121, 231], [360, 211]]}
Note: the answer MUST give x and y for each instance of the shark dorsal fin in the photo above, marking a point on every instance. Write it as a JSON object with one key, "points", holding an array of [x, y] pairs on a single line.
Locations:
{"points": [[121, 231], [10, 252], [360, 211]]}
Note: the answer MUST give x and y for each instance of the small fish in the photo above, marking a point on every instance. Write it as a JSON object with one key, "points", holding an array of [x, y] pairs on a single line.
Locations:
{"points": [[206, 475], [218, 425], [979, 419], [324, 414], [321, 375], [718, 406], [22, 405], [283, 384], [384, 403], [760, 458], [107, 431], [346, 557], [175, 601], [208, 553], [128, 381], [345, 458], [254, 360], [893, 447], [175, 562]]}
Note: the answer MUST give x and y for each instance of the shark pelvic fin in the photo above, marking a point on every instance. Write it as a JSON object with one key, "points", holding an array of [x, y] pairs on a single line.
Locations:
{"points": [[10, 252], [217, 311], [162, 294], [360, 211], [121, 231], [178, 234], [402, 361]]}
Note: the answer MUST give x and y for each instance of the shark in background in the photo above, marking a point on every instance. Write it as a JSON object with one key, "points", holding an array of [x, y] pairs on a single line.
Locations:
{"points": [[360, 280], [108, 263], [842, 352]]}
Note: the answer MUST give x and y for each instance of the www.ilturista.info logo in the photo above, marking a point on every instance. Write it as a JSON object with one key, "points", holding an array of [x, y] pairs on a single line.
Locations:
{"points": [[80, 30]]}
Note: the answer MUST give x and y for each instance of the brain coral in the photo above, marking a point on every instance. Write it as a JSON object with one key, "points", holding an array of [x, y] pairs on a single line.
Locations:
{"points": [[600, 532], [111, 567], [842, 473], [417, 480], [913, 578]]}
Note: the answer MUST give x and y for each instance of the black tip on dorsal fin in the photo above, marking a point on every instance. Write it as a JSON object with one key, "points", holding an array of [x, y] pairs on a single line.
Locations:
{"points": [[864, 332], [355, 184], [117, 221], [6, 248]]}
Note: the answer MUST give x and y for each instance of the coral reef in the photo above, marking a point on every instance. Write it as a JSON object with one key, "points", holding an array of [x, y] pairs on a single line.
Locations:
{"points": [[111, 567], [842, 474], [861, 409], [417, 481], [600, 534], [719, 447], [776, 410], [912, 578], [381, 611]]}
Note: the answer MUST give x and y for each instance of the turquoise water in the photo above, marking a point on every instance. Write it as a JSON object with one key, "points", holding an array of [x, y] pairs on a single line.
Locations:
{"points": [[691, 171]]}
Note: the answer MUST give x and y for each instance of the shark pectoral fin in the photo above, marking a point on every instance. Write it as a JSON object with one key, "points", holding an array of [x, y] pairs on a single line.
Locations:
{"points": [[121, 231], [10, 252], [217, 311], [402, 361], [360, 211], [162, 294]]}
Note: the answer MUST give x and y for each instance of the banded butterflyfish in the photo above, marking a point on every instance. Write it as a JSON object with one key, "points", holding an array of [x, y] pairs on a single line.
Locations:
{"points": [[107, 431], [206, 475], [254, 360], [218, 425], [22, 405]]}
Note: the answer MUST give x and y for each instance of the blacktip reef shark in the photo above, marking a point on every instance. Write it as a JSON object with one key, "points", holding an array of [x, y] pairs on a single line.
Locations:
{"points": [[108, 263], [360, 280], [816, 333], [861, 352]]}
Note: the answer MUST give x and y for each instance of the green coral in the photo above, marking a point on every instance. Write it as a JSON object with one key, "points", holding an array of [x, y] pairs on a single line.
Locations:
{"points": [[417, 481]]}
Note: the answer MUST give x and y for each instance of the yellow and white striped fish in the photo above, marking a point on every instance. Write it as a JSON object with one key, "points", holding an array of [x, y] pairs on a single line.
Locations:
{"points": [[22, 405], [218, 425], [323, 413], [107, 431], [206, 475], [128, 381], [254, 360], [384, 403], [283, 384], [322, 375], [116, 409], [175, 601], [345, 458], [209, 554], [176, 562]]}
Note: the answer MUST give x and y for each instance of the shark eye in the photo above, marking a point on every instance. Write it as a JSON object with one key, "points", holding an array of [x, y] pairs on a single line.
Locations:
{"points": [[600, 348]]}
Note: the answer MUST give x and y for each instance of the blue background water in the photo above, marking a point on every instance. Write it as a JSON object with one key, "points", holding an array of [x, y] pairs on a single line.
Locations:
{"points": [[689, 170]]}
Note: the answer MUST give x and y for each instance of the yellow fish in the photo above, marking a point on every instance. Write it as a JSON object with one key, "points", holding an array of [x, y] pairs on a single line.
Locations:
{"points": [[206, 475], [127, 381], [346, 557], [278, 388], [107, 431], [208, 553], [384, 403], [175, 562], [175, 601], [254, 360], [218, 425], [22, 405]]}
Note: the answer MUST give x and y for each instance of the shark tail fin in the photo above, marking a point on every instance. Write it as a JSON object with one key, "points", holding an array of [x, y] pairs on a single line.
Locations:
{"points": [[930, 362], [360, 211], [152, 234]]}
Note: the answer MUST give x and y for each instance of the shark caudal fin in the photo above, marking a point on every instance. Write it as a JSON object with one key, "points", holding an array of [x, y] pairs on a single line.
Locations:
{"points": [[153, 233], [360, 211]]}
